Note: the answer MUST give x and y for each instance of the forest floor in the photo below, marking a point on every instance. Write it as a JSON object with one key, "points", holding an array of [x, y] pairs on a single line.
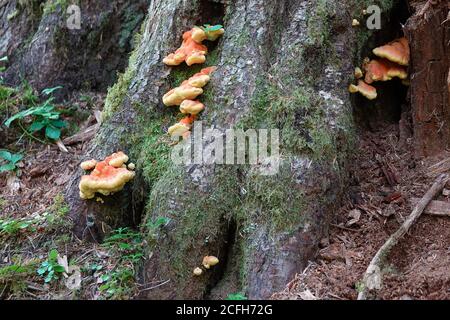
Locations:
{"points": [[384, 180], [35, 232]]}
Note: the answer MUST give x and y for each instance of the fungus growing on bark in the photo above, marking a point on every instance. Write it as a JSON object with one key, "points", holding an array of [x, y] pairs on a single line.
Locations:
{"points": [[396, 51], [182, 127], [207, 32], [108, 176], [210, 261], [365, 89], [192, 50], [191, 107], [358, 73], [355, 23], [189, 89], [88, 165], [383, 70]]}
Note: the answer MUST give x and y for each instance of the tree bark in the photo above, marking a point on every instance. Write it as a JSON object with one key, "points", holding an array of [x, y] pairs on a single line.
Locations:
{"points": [[44, 51], [428, 33], [263, 229]]}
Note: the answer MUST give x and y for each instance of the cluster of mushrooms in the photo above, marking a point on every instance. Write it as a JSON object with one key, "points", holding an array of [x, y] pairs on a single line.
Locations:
{"points": [[192, 51], [111, 174], [208, 262], [107, 176], [392, 61]]}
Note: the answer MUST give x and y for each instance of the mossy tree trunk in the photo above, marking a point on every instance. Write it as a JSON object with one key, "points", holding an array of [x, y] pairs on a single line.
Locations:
{"points": [[45, 52], [281, 64]]}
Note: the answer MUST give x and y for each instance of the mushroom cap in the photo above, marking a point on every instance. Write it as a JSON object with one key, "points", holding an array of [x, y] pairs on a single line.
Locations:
{"points": [[198, 34], [210, 261], [104, 179], [358, 73], [88, 165], [185, 92], [191, 107], [198, 271], [383, 70], [189, 51], [189, 89], [365, 89], [178, 130], [117, 159], [396, 51]]}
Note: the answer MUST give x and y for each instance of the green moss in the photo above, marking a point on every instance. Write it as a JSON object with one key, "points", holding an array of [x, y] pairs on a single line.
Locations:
{"points": [[130, 22], [199, 218], [298, 115], [50, 6], [317, 28], [275, 201], [118, 92], [154, 150], [13, 14]]}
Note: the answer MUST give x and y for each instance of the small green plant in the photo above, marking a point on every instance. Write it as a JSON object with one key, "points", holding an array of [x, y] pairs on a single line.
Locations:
{"points": [[12, 277], [43, 116], [50, 268], [153, 226], [209, 28], [126, 246], [13, 226], [359, 286], [236, 296], [11, 160]]}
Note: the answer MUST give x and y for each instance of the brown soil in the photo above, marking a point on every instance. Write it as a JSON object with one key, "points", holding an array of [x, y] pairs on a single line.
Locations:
{"points": [[386, 176]]}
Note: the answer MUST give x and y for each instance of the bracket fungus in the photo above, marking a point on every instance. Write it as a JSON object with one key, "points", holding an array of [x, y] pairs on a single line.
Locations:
{"points": [[192, 51], [207, 32], [189, 89], [394, 59], [396, 51], [88, 165], [210, 261], [383, 70], [365, 89], [191, 107], [182, 128], [108, 176]]}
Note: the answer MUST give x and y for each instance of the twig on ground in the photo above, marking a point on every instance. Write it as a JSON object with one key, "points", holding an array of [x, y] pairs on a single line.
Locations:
{"points": [[372, 276]]}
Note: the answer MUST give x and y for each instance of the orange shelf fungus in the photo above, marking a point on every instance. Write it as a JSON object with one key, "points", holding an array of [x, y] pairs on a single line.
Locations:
{"points": [[383, 70], [192, 51], [358, 73], [88, 165], [189, 89], [207, 32], [182, 128], [108, 176], [396, 51], [365, 89], [191, 107]]}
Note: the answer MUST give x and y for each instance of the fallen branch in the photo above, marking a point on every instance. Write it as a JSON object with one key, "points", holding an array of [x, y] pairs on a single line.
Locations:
{"points": [[83, 136], [372, 277], [435, 208]]}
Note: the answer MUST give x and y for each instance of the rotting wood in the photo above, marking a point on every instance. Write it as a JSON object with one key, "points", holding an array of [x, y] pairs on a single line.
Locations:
{"points": [[372, 277]]}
